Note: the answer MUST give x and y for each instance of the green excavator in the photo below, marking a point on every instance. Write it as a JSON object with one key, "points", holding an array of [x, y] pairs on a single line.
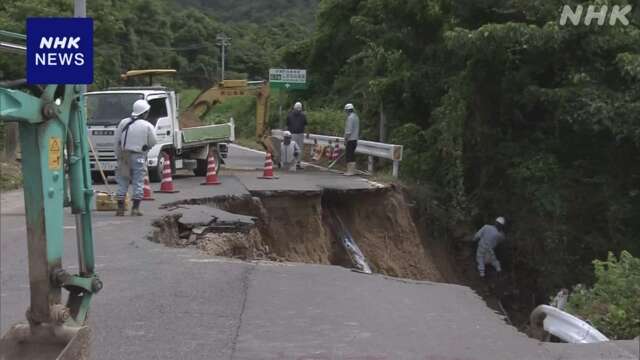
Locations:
{"points": [[56, 173]]}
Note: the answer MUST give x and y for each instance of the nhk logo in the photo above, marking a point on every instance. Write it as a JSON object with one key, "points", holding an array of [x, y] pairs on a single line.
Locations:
{"points": [[600, 14], [60, 50], [52, 58]]}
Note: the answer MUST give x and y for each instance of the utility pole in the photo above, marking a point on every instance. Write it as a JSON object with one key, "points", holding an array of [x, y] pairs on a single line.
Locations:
{"points": [[223, 41], [80, 10]]}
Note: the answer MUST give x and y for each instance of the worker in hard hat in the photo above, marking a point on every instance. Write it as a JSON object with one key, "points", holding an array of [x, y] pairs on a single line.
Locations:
{"points": [[296, 124], [488, 237], [135, 136], [351, 134], [289, 153]]}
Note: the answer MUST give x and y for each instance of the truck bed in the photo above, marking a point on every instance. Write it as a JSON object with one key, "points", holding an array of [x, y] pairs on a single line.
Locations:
{"points": [[205, 134]]}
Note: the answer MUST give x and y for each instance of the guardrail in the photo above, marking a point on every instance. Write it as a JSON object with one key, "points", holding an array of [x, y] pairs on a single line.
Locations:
{"points": [[564, 326], [370, 148], [11, 47]]}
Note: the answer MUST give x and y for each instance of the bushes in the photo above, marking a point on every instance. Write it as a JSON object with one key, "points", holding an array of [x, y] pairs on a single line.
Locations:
{"points": [[613, 304], [326, 121]]}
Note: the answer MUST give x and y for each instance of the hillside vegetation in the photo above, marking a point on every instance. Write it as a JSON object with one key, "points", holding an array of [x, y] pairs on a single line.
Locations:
{"points": [[502, 111], [257, 11], [138, 34]]}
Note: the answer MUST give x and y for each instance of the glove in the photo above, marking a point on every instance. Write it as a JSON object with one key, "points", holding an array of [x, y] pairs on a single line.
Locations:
{"points": [[145, 148], [295, 154]]}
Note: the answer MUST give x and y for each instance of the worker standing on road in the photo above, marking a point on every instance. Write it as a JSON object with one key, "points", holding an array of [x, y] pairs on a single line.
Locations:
{"points": [[351, 134], [289, 153], [135, 136], [296, 123], [488, 237]]}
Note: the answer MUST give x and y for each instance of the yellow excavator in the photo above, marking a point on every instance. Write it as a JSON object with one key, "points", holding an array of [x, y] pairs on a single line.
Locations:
{"points": [[207, 99]]}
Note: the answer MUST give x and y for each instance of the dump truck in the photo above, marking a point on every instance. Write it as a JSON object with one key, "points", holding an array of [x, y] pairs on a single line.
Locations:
{"points": [[186, 147]]}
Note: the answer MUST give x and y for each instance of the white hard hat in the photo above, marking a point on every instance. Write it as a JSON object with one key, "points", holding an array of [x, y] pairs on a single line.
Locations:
{"points": [[349, 107], [500, 220], [140, 107], [287, 134], [298, 106]]}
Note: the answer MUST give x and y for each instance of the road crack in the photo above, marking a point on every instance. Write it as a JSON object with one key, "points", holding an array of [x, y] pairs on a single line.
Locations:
{"points": [[246, 278]]}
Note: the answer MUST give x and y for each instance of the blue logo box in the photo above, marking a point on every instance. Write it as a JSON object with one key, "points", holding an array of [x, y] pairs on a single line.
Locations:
{"points": [[59, 50]]}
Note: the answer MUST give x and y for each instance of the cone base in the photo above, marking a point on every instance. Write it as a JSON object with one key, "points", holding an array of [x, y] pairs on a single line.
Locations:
{"points": [[167, 191], [268, 177], [212, 183]]}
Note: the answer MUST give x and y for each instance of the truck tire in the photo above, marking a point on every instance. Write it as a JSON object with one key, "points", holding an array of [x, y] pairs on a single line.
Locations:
{"points": [[202, 165], [96, 178], [155, 172]]}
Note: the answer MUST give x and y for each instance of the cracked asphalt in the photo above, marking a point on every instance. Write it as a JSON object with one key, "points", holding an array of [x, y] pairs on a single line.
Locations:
{"points": [[162, 303]]}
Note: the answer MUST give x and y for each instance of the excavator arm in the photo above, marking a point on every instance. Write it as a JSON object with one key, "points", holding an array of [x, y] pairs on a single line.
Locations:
{"points": [[207, 99], [55, 167]]}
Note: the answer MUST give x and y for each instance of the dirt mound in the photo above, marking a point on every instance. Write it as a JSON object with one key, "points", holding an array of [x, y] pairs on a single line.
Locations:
{"points": [[294, 227]]}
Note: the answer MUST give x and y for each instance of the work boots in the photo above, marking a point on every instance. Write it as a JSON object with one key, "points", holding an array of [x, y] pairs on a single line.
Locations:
{"points": [[120, 210], [351, 169], [135, 210]]}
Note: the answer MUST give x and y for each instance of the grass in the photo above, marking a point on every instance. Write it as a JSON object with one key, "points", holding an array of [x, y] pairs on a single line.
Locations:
{"points": [[250, 143], [10, 176]]}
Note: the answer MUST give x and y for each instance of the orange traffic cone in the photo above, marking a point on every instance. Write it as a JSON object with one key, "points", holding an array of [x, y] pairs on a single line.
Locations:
{"points": [[268, 168], [212, 171], [328, 151], [166, 186], [148, 193], [336, 152]]}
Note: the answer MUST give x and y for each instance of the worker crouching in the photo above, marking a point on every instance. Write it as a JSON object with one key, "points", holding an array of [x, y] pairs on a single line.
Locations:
{"points": [[488, 237], [135, 136], [289, 153]]}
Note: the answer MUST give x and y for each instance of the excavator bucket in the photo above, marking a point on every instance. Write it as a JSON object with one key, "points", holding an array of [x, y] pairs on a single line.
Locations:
{"points": [[23, 342]]}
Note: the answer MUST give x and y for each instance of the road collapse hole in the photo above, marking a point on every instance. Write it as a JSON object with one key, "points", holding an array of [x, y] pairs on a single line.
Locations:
{"points": [[301, 227]]}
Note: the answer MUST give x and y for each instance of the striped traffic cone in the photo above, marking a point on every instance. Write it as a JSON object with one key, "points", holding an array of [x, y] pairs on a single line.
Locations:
{"points": [[212, 171], [166, 186], [268, 168], [328, 151], [148, 193], [336, 152]]}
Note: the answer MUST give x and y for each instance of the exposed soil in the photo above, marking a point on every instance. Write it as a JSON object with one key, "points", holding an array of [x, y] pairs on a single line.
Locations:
{"points": [[397, 237], [293, 227]]}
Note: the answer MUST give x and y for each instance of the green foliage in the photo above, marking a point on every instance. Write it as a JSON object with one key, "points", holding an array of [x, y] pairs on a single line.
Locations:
{"points": [[145, 34], [502, 111], [326, 121], [10, 176], [611, 305]]}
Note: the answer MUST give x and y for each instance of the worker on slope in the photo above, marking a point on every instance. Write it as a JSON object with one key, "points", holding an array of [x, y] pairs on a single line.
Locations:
{"points": [[488, 237], [296, 124], [351, 134], [135, 136], [289, 153]]}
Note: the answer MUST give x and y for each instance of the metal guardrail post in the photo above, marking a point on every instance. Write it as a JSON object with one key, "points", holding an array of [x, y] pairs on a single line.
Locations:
{"points": [[396, 168], [370, 164]]}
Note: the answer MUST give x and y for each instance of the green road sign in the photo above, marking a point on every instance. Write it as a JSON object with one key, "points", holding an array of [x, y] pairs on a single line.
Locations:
{"points": [[287, 86], [288, 79]]}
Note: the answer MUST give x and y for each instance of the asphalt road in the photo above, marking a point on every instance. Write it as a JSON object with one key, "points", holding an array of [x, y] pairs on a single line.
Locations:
{"points": [[162, 303]]}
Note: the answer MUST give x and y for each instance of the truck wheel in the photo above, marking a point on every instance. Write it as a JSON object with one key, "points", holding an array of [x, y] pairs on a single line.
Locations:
{"points": [[96, 178], [201, 168], [155, 172], [202, 165]]}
